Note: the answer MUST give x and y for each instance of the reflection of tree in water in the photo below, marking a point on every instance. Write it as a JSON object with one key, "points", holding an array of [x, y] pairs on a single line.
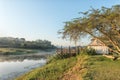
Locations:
{"points": [[21, 58]]}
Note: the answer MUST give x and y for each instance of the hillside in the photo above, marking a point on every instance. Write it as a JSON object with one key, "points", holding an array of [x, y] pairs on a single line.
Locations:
{"points": [[80, 67]]}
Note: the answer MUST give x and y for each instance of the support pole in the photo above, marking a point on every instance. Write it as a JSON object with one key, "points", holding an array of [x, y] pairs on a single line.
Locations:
{"points": [[69, 51], [61, 50]]}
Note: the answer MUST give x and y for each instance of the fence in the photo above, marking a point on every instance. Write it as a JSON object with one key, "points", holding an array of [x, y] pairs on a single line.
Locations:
{"points": [[69, 50]]}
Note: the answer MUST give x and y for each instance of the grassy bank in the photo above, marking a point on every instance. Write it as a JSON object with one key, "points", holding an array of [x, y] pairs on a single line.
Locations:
{"points": [[80, 67], [52, 71], [15, 51], [101, 68]]}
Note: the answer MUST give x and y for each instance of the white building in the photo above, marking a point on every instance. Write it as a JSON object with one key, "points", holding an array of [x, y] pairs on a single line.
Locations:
{"points": [[99, 47]]}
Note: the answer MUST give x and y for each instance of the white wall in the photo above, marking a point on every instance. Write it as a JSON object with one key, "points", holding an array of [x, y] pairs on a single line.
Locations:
{"points": [[100, 49]]}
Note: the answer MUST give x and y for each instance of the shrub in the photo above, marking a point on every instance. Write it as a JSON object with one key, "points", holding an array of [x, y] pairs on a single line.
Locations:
{"points": [[91, 51], [59, 57]]}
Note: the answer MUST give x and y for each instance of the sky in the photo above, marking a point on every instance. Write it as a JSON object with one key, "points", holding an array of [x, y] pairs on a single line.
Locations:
{"points": [[42, 19]]}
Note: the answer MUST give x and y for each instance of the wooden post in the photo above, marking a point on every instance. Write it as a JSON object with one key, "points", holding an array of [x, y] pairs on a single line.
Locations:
{"points": [[57, 51], [69, 50], [78, 50], [61, 50]]}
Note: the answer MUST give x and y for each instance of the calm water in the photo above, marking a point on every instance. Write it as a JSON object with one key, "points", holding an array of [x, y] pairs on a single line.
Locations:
{"points": [[14, 66]]}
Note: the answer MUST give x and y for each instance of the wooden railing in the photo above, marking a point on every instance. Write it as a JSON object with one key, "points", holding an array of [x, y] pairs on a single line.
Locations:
{"points": [[68, 50]]}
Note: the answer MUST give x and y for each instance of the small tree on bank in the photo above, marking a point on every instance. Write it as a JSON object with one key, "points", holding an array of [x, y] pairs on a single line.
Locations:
{"points": [[103, 24]]}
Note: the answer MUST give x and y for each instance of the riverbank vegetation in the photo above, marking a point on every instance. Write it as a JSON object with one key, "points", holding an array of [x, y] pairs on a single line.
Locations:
{"points": [[16, 51], [17, 46], [79, 67], [10, 42]]}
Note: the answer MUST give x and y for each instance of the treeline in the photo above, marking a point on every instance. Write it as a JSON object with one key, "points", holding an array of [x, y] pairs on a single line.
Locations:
{"points": [[11, 42]]}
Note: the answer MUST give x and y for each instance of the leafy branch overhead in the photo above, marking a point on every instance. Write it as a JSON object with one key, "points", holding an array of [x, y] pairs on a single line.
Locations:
{"points": [[103, 24]]}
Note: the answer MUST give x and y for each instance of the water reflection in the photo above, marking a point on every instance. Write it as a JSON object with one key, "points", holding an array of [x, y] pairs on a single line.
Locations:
{"points": [[12, 66], [21, 58], [10, 70]]}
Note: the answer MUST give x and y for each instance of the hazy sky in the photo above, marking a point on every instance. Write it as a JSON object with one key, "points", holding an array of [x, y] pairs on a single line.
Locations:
{"points": [[41, 19]]}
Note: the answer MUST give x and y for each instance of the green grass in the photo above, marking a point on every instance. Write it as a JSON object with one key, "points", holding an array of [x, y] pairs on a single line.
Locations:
{"points": [[52, 71], [101, 68], [80, 67], [15, 51]]}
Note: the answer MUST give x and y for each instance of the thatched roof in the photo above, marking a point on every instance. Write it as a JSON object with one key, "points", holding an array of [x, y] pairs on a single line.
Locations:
{"points": [[96, 42]]}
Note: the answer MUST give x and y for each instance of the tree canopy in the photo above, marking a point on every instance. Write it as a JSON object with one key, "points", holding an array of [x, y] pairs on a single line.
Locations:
{"points": [[103, 24]]}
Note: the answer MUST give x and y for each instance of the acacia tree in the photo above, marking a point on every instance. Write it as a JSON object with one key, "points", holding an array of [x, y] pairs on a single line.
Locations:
{"points": [[103, 24]]}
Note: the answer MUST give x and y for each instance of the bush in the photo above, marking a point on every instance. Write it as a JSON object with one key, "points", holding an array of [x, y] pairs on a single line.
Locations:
{"points": [[91, 51], [62, 56], [59, 57]]}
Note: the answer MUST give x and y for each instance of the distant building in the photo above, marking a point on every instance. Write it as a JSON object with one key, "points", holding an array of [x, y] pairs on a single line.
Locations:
{"points": [[99, 46]]}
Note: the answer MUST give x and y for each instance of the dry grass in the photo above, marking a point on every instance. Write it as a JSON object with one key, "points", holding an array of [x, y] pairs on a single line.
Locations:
{"points": [[77, 71], [109, 56]]}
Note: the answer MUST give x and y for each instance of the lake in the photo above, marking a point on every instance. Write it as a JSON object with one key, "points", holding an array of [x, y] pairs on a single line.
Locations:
{"points": [[12, 66]]}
